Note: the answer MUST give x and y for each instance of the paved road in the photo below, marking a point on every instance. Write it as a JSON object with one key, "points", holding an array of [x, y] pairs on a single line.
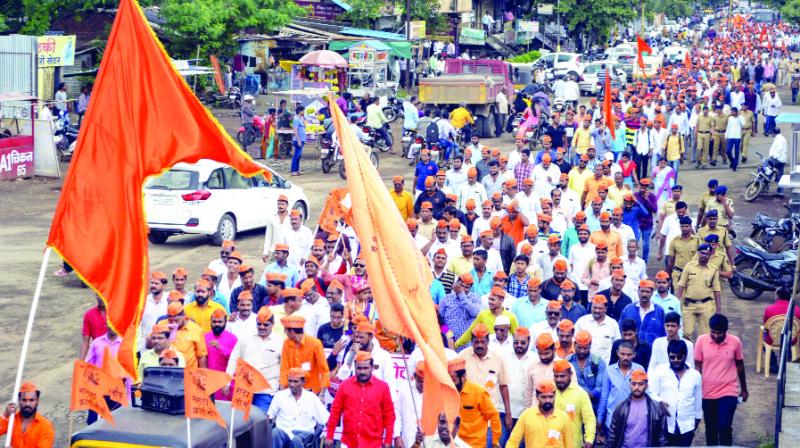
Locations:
{"points": [[28, 207]]}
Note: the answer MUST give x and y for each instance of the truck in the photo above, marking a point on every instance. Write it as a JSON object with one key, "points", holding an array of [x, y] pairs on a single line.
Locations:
{"points": [[474, 82]]}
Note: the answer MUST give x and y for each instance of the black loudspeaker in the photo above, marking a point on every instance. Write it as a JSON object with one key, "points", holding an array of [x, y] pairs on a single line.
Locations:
{"points": [[162, 390]]}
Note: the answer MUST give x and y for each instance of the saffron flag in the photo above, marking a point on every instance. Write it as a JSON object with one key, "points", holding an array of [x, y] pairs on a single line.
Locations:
{"points": [[333, 210], [687, 61], [198, 385], [89, 385], [398, 273], [642, 47], [142, 119], [217, 74], [247, 381], [117, 374], [608, 113]]}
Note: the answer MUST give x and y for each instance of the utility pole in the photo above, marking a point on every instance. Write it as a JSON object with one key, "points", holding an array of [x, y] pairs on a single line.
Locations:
{"points": [[558, 26], [642, 19], [408, 37]]}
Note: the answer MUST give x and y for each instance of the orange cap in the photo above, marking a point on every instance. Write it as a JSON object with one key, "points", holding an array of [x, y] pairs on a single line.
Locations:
{"points": [[560, 264], [245, 295], [480, 331], [599, 299], [282, 247], [180, 272], [454, 365], [175, 296], [363, 356], [470, 204], [467, 278], [264, 314], [365, 327], [543, 217], [534, 282], [531, 230], [293, 321], [411, 223], [219, 313], [544, 341], [429, 181], [174, 309], [567, 284], [618, 274], [307, 285], [472, 172], [169, 354], [227, 244], [561, 366], [291, 292], [647, 284], [499, 275], [294, 213], [158, 275], [497, 291], [566, 325], [546, 387], [296, 372], [426, 205], [27, 387], [441, 224], [583, 337], [318, 243], [454, 224], [662, 275], [522, 332], [639, 375], [397, 179], [554, 305]]}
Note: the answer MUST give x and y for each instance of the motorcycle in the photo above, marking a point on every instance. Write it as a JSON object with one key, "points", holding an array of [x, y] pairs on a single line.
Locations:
{"points": [[234, 98], [65, 137], [249, 134], [339, 157], [409, 136], [758, 271], [776, 235], [377, 138], [760, 180], [393, 109]]}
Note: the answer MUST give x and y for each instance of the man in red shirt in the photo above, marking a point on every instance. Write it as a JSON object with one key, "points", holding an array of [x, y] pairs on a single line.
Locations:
{"points": [[366, 404], [94, 325], [779, 308]]}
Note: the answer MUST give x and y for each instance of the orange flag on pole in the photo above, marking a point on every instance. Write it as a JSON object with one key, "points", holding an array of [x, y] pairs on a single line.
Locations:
{"points": [[217, 74], [117, 390], [608, 113], [642, 47], [398, 273], [687, 61], [333, 210], [198, 386], [89, 386], [142, 119], [247, 381]]}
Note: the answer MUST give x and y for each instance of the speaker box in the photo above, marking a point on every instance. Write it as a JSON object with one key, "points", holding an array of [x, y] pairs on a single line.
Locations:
{"points": [[162, 390]]}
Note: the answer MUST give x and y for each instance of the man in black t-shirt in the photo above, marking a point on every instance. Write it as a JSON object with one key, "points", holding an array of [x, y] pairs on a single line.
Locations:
{"points": [[332, 331]]}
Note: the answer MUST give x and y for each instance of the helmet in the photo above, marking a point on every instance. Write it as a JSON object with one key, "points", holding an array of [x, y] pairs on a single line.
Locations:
{"points": [[248, 98]]}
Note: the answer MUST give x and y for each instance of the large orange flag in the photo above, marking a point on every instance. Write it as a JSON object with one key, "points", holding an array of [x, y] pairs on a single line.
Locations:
{"points": [[608, 113], [142, 119], [89, 386], [247, 381], [117, 392], [642, 47], [198, 386], [398, 273]]}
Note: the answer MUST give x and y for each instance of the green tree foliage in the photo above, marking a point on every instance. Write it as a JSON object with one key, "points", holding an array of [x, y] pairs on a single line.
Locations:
{"points": [[3, 25], [364, 12], [671, 8], [594, 19], [790, 12]]}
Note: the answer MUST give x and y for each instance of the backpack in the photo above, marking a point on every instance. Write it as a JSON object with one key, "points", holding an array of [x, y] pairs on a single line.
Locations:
{"points": [[432, 132]]}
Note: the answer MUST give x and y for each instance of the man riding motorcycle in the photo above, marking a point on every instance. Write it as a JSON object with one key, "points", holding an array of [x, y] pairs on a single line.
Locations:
{"points": [[376, 120], [460, 117]]}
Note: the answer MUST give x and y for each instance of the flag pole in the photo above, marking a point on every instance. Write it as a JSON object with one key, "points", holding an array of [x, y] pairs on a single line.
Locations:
{"points": [[230, 429], [27, 339], [408, 379], [188, 432]]}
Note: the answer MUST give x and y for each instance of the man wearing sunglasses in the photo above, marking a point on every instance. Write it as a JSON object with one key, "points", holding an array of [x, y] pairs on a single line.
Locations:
{"points": [[679, 387]]}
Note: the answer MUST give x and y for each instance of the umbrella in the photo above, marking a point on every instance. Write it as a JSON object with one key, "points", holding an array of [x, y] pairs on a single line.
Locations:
{"points": [[324, 58]]}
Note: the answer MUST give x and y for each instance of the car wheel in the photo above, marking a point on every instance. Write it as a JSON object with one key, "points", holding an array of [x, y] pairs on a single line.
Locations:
{"points": [[301, 207], [226, 230], [158, 237]]}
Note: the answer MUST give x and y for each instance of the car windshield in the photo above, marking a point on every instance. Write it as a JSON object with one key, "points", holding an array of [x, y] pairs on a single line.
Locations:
{"points": [[173, 180], [592, 69]]}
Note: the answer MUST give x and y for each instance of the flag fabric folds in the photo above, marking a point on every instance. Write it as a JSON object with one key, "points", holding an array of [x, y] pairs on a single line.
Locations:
{"points": [[90, 384], [687, 61], [247, 381], [117, 374], [398, 273], [642, 47], [217, 74], [198, 386], [142, 119], [333, 210], [608, 113]]}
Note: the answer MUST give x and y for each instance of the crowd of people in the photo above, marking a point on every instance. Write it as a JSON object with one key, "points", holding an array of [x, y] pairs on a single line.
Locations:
{"points": [[555, 332]]}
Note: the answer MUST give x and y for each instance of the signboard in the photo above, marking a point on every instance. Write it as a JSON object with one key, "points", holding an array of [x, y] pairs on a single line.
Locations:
{"points": [[16, 157], [471, 36], [55, 51], [527, 26], [321, 9], [544, 9], [363, 55], [468, 17], [416, 30]]}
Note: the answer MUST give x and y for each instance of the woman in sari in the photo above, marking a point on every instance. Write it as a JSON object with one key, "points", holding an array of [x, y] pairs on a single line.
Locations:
{"points": [[663, 180], [628, 168]]}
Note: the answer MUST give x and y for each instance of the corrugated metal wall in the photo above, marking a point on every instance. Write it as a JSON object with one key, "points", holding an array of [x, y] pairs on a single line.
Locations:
{"points": [[17, 70]]}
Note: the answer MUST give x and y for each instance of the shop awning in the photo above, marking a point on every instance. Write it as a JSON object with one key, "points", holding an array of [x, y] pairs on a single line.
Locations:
{"points": [[396, 49], [342, 5], [382, 35]]}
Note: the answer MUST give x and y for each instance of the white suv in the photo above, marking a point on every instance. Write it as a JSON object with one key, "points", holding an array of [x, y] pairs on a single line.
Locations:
{"points": [[211, 198], [563, 64]]}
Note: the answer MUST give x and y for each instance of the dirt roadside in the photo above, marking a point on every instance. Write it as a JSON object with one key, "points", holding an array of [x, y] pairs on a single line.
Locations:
{"points": [[28, 208]]}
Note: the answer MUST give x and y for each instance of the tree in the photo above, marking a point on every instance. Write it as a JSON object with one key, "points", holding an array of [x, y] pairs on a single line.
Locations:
{"points": [[364, 12], [671, 8], [790, 12], [593, 20], [3, 25]]}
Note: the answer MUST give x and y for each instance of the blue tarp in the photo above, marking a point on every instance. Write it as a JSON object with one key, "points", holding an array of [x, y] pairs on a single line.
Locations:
{"points": [[384, 35], [788, 117]]}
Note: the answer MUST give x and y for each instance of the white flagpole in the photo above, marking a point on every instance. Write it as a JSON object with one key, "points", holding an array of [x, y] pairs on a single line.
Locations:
{"points": [[26, 339], [188, 432], [230, 429]]}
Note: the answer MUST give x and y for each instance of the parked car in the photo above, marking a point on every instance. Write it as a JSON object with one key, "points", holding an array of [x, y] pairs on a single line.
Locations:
{"points": [[590, 79], [561, 64], [674, 53], [211, 198]]}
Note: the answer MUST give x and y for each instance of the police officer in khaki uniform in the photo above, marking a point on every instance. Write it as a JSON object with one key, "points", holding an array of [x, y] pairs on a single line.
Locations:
{"points": [[705, 198], [702, 135], [720, 144], [699, 292], [723, 205], [719, 259], [682, 250], [747, 129], [712, 227]]}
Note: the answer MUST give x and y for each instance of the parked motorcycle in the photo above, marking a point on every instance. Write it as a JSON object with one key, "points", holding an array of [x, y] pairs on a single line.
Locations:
{"points": [[249, 134], [758, 271], [776, 235], [373, 158], [377, 138], [409, 136], [65, 137], [760, 179]]}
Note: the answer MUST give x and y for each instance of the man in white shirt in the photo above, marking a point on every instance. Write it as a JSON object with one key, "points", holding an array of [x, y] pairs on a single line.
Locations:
{"points": [[771, 105], [515, 155], [155, 306], [456, 176], [528, 199], [681, 119], [733, 135], [245, 324], [277, 225], [572, 92], [317, 311], [299, 238], [635, 268], [737, 97], [545, 176], [777, 154], [624, 230], [604, 329], [644, 143], [296, 413], [550, 324], [482, 222], [409, 406], [579, 256], [261, 350], [220, 265], [517, 369], [442, 241], [500, 341], [659, 137], [471, 190], [679, 386], [559, 88], [672, 326], [671, 228]]}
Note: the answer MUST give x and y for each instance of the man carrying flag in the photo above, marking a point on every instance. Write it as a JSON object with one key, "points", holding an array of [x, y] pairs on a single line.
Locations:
{"points": [[31, 429], [296, 413]]}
